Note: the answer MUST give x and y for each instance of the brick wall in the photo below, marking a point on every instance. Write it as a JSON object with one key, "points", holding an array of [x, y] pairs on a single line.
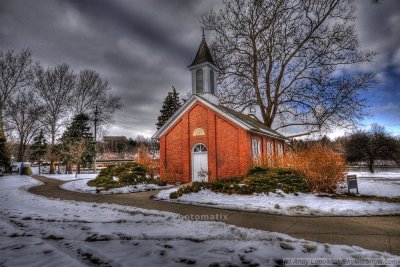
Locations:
{"points": [[228, 145]]}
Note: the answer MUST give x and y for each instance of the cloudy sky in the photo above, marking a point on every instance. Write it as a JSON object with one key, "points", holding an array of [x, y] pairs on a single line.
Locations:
{"points": [[143, 48]]}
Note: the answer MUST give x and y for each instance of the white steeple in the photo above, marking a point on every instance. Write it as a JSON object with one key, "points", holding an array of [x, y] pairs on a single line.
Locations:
{"points": [[204, 73]]}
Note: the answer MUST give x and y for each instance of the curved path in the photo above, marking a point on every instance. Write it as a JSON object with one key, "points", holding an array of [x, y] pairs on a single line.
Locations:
{"points": [[380, 233]]}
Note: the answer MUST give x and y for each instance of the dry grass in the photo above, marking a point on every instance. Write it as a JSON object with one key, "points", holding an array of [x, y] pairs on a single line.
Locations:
{"points": [[145, 159], [323, 168]]}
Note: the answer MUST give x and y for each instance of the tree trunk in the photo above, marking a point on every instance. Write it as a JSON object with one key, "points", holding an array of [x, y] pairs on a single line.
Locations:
{"points": [[2, 135], [69, 167], [371, 166], [52, 159], [20, 156], [3, 153], [39, 166], [78, 168]]}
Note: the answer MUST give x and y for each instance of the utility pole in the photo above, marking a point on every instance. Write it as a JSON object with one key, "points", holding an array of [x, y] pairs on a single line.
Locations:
{"points": [[96, 112]]}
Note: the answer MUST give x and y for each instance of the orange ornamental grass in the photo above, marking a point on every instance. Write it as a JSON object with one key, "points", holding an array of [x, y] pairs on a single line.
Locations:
{"points": [[151, 165], [324, 168]]}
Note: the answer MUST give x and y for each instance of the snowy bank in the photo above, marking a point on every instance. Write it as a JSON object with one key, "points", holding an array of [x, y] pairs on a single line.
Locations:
{"points": [[49, 232], [285, 204], [82, 187], [70, 177]]}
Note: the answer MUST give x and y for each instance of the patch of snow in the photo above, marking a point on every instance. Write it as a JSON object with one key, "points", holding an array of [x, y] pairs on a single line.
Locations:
{"points": [[380, 174], [385, 184], [69, 177], [50, 232], [82, 187], [19, 163], [286, 204], [35, 170]]}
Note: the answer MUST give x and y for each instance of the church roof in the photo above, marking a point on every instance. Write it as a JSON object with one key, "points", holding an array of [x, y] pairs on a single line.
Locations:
{"points": [[239, 118], [203, 54], [254, 124]]}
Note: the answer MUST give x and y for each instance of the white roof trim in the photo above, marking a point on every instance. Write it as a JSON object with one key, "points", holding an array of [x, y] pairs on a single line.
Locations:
{"points": [[190, 103]]}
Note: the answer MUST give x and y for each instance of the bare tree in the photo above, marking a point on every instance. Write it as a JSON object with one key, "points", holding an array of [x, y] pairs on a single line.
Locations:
{"points": [[75, 151], [15, 73], [371, 146], [55, 87], [288, 59], [91, 91], [23, 114]]}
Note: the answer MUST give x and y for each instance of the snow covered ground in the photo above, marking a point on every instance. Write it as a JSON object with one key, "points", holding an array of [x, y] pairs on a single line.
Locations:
{"points": [[81, 186], [306, 204], [69, 177], [286, 204], [380, 183], [36, 231]]}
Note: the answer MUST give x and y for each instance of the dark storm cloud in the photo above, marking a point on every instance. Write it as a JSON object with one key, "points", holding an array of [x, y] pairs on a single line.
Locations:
{"points": [[116, 19], [143, 47]]}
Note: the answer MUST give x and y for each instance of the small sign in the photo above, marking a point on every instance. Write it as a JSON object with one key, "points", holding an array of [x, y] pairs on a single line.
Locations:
{"points": [[198, 132], [352, 183]]}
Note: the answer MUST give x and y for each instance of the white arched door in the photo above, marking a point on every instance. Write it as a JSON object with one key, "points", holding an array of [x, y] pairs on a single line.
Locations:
{"points": [[199, 163]]}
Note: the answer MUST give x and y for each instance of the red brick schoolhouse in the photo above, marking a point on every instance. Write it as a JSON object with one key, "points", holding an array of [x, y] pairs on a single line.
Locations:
{"points": [[205, 141]]}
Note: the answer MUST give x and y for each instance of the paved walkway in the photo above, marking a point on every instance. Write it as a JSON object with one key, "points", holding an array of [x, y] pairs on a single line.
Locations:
{"points": [[380, 233]]}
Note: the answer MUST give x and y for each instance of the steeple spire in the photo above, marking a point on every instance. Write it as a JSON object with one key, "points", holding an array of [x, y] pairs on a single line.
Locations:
{"points": [[204, 71], [203, 53]]}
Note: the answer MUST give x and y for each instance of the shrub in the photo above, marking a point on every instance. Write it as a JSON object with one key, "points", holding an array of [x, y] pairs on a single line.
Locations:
{"points": [[27, 170], [259, 180], [127, 174], [151, 165], [194, 188], [323, 168], [174, 176], [265, 180]]}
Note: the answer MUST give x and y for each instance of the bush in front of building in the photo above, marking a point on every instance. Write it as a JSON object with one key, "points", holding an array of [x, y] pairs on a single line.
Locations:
{"points": [[325, 169], [123, 175], [264, 180], [193, 188], [146, 159], [258, 180]]}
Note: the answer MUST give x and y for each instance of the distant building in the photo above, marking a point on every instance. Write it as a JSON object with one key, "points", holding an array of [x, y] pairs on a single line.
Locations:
{"points": [[205, 141]]}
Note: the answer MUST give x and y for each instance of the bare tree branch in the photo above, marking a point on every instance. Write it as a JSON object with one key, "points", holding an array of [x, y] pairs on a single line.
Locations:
{"points": [[284, 58]]}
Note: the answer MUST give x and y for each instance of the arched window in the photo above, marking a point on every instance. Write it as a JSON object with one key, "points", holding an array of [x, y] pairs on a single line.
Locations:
{"points": [[200, 148], [212, 82], [199, 81]]}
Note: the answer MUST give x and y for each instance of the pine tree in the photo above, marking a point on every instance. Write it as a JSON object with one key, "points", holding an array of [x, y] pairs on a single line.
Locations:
{"points": [[77, 131], [39, 147], [170, 105]]}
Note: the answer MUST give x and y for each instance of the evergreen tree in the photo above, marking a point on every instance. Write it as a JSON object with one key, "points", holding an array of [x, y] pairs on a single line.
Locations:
{"points": [[77, 131], [39, 147], [170, 105]]}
